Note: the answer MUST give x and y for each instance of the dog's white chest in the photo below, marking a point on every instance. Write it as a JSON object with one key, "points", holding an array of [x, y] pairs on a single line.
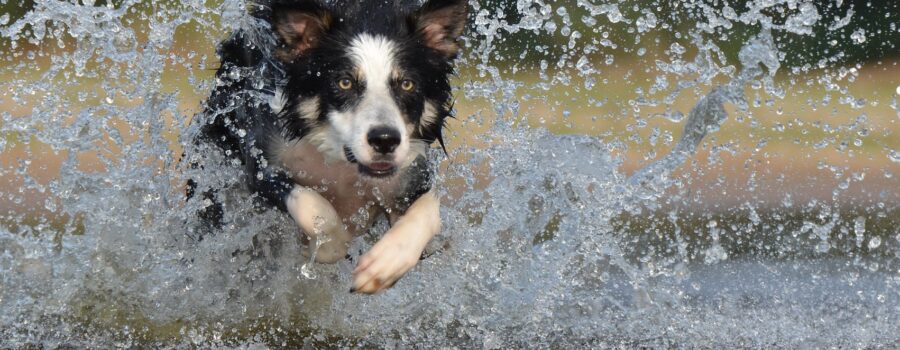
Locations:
{"points": [[357, 200]]}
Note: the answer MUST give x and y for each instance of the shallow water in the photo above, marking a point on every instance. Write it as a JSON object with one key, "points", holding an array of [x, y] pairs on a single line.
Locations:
{"points": [[550, 239]]}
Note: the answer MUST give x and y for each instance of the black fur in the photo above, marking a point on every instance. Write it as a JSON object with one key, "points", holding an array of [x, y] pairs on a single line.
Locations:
{"points": [[239, 120], [314, 73]]}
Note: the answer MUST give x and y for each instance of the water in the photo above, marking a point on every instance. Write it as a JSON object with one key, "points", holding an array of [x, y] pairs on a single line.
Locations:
{"points": [[553, 236]]}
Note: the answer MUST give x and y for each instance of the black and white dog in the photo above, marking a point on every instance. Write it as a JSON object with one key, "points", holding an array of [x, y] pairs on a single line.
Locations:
{"points": [[361, 92]]}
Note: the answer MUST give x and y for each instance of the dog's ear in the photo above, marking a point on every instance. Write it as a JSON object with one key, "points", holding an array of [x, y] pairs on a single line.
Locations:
{"points": [[439, 23], [300, 25]]}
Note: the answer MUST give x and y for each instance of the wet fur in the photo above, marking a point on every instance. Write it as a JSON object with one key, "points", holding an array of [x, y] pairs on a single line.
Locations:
{"points": [[256, 125]]}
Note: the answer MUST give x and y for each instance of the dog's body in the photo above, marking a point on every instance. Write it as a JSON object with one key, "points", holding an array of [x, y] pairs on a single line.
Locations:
{"points": [[365, 91]]}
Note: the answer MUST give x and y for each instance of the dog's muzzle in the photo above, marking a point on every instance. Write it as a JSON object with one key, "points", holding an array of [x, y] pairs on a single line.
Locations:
{"points": [[377, 169]]}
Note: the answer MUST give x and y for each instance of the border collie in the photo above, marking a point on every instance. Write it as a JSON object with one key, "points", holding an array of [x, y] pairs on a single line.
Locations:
{"points": [[361, 92]]}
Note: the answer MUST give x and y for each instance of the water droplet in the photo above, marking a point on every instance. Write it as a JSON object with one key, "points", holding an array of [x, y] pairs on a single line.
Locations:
{"points": [[673, 116], [844, 184], [646, 22], [677, 49], [589, 21], [550, 27], [823, 247], [307, 271], [612, 12], [714, 254], [874, 242], [894, 156], [859, 36], [561, 11], [859, 229]]}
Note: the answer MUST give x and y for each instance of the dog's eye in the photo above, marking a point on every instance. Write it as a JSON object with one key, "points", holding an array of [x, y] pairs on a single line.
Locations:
{"points": [[407, 85], [345, 84]]}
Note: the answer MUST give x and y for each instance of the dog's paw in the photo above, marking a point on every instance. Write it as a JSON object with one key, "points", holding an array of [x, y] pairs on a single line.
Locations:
{"points": [[383, 265]]}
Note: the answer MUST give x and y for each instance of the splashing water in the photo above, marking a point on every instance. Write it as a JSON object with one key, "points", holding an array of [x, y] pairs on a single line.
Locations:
{"points": [[547, 242]]}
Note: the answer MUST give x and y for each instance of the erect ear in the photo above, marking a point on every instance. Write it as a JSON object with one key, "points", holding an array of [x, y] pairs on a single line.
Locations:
{"points": [[300, 25], [439, 23]]}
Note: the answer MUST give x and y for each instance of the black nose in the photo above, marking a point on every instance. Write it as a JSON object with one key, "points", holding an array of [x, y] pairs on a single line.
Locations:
{"points": [[384, 139]]}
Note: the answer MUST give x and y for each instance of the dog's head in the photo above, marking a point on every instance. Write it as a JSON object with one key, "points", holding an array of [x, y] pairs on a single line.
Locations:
{"points": [[368, 85]]}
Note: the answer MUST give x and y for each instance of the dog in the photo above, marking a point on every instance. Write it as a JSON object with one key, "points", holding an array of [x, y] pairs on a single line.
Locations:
{"points": [[332, 114]]}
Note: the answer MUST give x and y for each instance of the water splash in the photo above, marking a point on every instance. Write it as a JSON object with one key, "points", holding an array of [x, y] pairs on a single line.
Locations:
{"points": [[547, 241], [709, 113]]}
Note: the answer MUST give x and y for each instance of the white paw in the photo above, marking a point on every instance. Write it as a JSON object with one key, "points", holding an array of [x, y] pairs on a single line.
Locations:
{"points": [[384, 264]]}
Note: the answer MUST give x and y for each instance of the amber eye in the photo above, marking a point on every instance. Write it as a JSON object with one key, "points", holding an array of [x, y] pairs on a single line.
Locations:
{"points": [[345, 84], [407, 85]]}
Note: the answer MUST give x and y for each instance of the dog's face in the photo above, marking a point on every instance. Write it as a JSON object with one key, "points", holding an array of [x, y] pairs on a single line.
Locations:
{"points": [[370, 88]]}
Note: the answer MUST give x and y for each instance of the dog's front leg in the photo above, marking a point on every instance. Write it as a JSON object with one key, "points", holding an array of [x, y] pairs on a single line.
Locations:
{"points": [[400, 248], [320, 221]]}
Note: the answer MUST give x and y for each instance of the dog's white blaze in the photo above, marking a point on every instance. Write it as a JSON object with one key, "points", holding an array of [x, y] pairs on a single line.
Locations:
{"points": [[374, 58]]}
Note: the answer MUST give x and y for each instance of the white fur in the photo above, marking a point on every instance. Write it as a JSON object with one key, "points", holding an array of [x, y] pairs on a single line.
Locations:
{"points": [[309, 108], [400, 248], [318, 218], [326, 142], [429, 115], [374, 58]]}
